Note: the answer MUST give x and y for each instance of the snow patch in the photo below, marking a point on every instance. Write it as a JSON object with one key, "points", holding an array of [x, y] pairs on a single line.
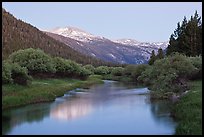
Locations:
{"points": [[92, 54], [112, 56]]}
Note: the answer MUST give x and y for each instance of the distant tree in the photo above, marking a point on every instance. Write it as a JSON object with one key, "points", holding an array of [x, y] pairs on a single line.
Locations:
{"points": [[152, 58], [160, 54]]}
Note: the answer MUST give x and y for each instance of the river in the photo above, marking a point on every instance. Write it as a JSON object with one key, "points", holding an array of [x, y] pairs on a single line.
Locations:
{"points": [[109, 108]]}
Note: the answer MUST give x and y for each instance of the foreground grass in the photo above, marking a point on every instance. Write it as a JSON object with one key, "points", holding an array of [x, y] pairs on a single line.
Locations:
{"points": [[188, 111], [42, 90]]}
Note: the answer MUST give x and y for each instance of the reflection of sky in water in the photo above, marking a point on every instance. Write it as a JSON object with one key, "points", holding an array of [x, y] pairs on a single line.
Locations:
{"points": [[110, 108], [71, 109]]}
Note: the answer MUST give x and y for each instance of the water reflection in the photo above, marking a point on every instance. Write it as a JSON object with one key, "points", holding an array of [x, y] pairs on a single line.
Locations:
{"points": [[73, 108], [161, 112], [31, 113], [111, 108]]}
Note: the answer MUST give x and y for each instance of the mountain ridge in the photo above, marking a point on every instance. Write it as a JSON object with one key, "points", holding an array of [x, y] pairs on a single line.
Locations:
{"points": [[128, 51], [17, 34]]}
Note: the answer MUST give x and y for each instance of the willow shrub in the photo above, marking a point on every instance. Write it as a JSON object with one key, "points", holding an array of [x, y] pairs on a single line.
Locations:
{"points": [[63, 65], [6, 73], [90, 68], [169, 74], [102, 70], [35, 60], [117, 71], [197, 62], [137, 71], [70, 68], [14, 73]]}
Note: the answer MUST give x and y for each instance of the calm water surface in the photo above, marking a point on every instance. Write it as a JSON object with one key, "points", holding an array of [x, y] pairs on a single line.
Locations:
{"points": [[110, 108]]}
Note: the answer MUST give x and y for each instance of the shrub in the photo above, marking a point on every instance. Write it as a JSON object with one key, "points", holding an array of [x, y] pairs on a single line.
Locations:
{"points": [[90, 68], [62, 65], [6, 72], [35, 60], [197, 63], [117, 71], [169, 74], [76, 67], [14, 73], [83, 72], [128, 70], [65, 67], [20, 75], [102, 70], [137, 71]]}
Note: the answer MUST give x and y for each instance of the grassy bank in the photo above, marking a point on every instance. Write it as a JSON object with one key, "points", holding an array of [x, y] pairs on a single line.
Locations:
{"points": [[188, 111], [42, 90]]}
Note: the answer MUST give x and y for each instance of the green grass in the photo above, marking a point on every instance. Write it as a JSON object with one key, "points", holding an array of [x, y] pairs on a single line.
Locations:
{"points": [[41, 90], [188, 111]]}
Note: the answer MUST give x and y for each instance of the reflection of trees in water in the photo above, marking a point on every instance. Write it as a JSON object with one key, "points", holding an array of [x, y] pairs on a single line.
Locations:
{"points": [[5, 124], [15, 117], [72, 109], [161, 110]]}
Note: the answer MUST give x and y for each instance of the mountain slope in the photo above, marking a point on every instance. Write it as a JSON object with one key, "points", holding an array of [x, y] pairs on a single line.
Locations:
{"points": [[17, 34], [126, 51]]}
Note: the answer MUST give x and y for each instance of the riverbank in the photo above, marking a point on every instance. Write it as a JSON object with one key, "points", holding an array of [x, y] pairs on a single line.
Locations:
{"points": [[188, 111], [42, 90]]}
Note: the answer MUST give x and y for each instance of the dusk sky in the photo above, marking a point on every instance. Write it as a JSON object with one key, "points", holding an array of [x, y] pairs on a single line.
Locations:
{"points": [[142, 21]]}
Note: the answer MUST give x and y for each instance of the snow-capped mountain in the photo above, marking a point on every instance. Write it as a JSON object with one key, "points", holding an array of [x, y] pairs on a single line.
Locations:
{"points": [[127, 41], [127, 51], [133, 42], [75, 33]]}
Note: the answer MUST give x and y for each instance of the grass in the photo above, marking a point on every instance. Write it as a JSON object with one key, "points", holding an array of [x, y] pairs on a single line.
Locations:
{"points": [[188, 111], [42, 90]]}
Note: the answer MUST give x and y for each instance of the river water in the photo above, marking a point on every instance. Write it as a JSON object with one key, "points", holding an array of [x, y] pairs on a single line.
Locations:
{"points": [[109, 108]]}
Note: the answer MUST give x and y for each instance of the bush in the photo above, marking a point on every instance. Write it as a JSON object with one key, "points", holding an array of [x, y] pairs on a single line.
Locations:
{"points": [[197, 63], [83, 72], [137, 71], [128, 70], [20, 75], [117, 71], [169, 74], [6, 73], [76, 67], [90, 68], [62, 65], [65, 67], [102, 70], [35, 60], [14, 73], [134, 71]]}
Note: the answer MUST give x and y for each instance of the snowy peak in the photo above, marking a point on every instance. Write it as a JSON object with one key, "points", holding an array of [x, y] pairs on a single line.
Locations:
{"points": [[132, 42], [127, 41], [127, 51], [75, 33]]}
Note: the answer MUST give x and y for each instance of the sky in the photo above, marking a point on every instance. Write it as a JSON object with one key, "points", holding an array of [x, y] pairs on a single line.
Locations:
{"points": [[142, 21]]}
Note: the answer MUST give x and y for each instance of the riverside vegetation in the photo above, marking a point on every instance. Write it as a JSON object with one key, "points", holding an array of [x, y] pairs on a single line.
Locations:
{"points": [[32, 76]]}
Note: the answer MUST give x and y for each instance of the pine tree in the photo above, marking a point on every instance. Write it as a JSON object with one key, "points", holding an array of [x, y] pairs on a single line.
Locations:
{"points": [[160, 54], [187, 37], [152, 58]]}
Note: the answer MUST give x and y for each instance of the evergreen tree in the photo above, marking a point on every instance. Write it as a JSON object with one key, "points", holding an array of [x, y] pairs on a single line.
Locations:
{"points": [[152, 58], [187, 38], [160, 54]]}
